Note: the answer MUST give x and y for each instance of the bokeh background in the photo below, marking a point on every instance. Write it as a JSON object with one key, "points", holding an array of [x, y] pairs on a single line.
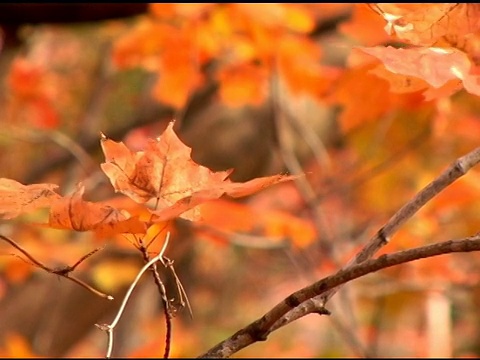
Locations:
{"points": [[263, 89]]}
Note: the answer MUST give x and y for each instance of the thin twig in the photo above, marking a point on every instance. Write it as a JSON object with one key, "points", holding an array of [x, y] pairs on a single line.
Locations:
{"points": [[61, 139], [110, 327], [326, 238], [63, 271], [293, 165], [84, 257], [24, 252], [358, 178], [261, 328], [351, 338], [244, 240], [182, 294], [163, 294], [83, 157]]}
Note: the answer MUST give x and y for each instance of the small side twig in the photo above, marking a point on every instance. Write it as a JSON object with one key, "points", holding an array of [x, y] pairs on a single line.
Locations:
{"points": [[63, 271], [182, 294]]}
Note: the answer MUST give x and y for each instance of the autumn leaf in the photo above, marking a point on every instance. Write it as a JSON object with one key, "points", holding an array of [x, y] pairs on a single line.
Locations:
{"points": [[30, 99], [243, 84], [16, 198], [233, 35], [292, 16], [355, 28], [179, 71], [171, 10], [16, 346], [437, 66], [425, 24], [363, 96], [399, 83], [217, 190], [298, 63], [73, 213], [230, 216], [165, 171]]}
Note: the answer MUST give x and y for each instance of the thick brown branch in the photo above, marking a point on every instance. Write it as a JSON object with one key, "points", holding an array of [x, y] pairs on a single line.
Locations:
{"points": [[453, 172], [457, 169], [259, 329]]}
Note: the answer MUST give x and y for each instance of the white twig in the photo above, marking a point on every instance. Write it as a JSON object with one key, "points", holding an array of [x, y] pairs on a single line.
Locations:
{"points": [[109, 327]]}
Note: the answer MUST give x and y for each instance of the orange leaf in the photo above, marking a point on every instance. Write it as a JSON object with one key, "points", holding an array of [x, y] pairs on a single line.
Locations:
{"points": [[298, 62], [179, 68], [71, 212], [290, 16], [16, 346], [364, 97], [166, 172], [431, 64], [162, 10], [27, 84], [242, 84], [16, 198], [399, 83], [169, 10], [25, 79], [179, 77], [372, 34], [234, 217]]}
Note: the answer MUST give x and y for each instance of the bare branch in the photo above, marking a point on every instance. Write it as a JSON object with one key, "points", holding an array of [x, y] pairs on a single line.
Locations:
{"points": [[26, 253], [261, 328], [457, 169]]}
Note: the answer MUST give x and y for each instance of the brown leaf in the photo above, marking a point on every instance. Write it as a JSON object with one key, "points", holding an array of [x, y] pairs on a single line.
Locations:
{"points": [[16, 198], [163, 170], [73, 213], [166, 172], [228, 188]]}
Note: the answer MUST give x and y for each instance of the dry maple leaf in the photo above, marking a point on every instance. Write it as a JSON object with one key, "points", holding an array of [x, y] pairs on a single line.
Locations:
{"points": [[72, 212], [436, 66], [166, 172], [16, 198], [425, 24], [225, 187]]}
